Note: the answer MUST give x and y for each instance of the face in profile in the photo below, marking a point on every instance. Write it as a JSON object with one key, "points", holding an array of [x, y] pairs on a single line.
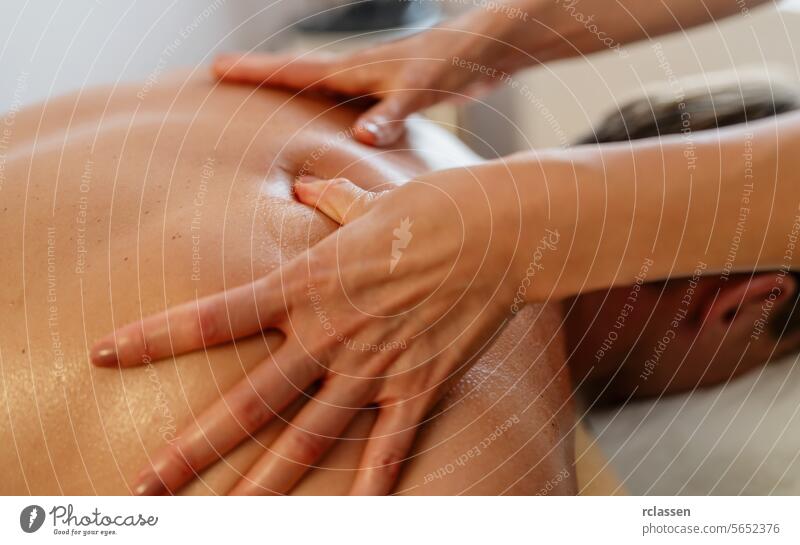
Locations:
{"points": [[677, 335]]}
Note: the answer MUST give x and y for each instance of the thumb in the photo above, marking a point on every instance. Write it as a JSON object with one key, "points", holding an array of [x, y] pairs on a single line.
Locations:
{"points": [[383, 124], [339, 199]]}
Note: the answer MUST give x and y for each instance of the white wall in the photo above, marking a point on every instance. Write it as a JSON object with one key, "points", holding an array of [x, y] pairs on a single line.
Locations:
{"points": [[60, 45], [568, 96]]}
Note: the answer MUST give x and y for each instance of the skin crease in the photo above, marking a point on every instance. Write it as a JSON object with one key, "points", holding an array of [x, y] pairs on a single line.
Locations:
{"points": [[70, 428]]}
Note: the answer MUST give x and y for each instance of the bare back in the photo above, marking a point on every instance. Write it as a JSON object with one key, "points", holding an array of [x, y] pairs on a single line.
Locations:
{"points": [[120, 203]]}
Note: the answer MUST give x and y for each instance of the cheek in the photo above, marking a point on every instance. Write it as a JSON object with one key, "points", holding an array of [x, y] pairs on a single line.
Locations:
{"points": [[729, 338], [655, 315]]}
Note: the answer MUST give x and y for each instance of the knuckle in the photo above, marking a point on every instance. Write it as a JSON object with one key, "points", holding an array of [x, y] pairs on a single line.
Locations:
{"points": [[384, 469], [338, 182], [254, 413], [421, 78], [311, 368], [264, 290], [388, 461], [299, 368], [331, 67], [355, 79], [304, 447], [336, 72], [321, 265], [178, 461], [208, 318]]}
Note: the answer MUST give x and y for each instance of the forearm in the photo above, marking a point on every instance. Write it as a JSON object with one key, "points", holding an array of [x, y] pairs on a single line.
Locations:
{"points": [[725, 200], [717, 201], [547, 30]]}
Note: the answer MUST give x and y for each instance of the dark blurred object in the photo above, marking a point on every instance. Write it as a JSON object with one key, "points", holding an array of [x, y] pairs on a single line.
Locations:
{"points": [[369, 15], [737, 98]]}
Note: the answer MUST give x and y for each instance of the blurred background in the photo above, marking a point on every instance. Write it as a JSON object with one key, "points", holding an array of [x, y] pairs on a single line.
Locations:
{"points": [[62, 45], [744, 438]]}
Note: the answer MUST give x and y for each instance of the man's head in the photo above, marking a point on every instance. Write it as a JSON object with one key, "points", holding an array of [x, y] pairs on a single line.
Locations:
{"points": [[682, 333]]}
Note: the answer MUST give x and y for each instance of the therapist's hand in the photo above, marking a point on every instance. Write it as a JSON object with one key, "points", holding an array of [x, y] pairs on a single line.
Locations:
{"points": [[386, 312], [459, 59]]}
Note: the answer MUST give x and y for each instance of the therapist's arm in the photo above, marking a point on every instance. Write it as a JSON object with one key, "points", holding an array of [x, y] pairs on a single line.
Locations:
{"points": [[473, 52], [566, 28], [725, 201]]}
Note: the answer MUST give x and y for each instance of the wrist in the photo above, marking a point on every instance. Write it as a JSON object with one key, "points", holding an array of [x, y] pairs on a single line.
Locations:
{"points": [[572, 229], [619, 209], [499, 33], [535, 217]]}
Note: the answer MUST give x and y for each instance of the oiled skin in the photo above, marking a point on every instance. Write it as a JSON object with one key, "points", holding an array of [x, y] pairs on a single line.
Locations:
{"points": [[104, 219]]}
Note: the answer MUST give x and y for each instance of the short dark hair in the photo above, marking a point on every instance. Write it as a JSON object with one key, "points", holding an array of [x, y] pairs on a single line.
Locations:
{"points": [[705, 107], [696, 108]]}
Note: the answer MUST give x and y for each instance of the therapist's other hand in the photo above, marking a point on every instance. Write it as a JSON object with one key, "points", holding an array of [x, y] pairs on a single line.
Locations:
{"points": [[387, 311], [456, 60]]}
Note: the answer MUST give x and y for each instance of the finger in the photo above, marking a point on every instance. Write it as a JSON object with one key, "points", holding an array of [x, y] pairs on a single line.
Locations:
{"points": [[244, 409], [212, 320], [285, 70], [476, 90], [384, 123], [390, 441], [339, 199], [316, 427]]}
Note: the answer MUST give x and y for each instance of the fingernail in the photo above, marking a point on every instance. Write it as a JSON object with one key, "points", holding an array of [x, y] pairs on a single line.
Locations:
{"points": [[148, 484], [104, 354], [378, 136]]}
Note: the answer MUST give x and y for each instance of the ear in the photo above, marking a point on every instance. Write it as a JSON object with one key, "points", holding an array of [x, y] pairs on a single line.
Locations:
{"points": [[744, 298]]}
